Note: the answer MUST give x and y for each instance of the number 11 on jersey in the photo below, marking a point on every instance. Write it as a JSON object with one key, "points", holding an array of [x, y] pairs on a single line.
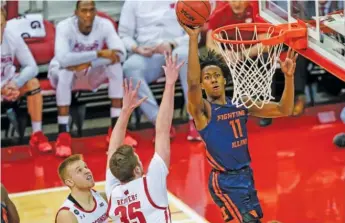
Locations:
{"points": [[236, 128]]}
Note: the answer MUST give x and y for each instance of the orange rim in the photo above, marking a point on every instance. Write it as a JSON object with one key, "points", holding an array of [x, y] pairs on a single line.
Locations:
{"points": [[280, 32]]}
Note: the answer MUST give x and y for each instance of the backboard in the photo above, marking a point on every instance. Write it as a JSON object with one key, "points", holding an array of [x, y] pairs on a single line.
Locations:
{"points": [[326, 28]]}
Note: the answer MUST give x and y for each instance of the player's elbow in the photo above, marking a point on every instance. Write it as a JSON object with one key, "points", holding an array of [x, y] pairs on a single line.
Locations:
{"points": [[286, 110], [62, 60]]}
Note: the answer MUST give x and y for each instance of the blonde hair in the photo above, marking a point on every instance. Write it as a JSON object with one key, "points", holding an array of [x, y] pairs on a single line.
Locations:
{"points": [[66, 163]]}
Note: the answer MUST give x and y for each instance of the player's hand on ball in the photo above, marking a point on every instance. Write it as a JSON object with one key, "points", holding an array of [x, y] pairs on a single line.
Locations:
{"points": [[130, 98], [192, 32], [289, 65], [171, 68]]}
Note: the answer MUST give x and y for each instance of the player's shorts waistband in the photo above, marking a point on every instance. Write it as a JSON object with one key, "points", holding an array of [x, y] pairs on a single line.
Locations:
{"points": [[234, 171]]}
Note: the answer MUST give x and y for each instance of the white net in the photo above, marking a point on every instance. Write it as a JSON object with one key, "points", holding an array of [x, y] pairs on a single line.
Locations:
{"points": [[252, 66]]}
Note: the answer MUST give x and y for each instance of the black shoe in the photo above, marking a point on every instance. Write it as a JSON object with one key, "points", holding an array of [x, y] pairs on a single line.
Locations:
{"points": [[339, 140], [265, 122]]}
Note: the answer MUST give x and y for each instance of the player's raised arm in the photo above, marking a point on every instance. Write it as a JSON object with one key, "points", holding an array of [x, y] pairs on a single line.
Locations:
{"points": [[286, 104], [166, 109], [195, 100], [130, 102]]}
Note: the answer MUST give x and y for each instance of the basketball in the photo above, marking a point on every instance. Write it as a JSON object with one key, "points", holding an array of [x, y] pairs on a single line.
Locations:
{"points": [[193, 13]]}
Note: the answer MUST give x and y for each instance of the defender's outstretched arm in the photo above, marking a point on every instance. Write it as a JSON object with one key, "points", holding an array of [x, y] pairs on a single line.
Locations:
{"points": [[166, 109], [130, 102]]}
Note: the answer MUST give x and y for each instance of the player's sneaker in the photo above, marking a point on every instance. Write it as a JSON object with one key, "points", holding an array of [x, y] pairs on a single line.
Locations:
{"points": [[129, 140], [193, 134], [172, 134], [40, 142], [63, 145], [339, 140]]}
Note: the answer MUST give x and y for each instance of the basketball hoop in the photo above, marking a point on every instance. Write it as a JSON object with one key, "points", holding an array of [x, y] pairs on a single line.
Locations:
{"points": [[252, 75]]}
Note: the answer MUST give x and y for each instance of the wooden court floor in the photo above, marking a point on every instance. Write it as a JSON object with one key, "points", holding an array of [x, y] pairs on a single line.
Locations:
{"points": [[40, 206]]}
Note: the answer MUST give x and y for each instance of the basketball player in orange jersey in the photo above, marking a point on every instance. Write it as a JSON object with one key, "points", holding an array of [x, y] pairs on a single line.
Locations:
{"points": [[222, 126], [9, 212], [83, 204], [132, 196]]}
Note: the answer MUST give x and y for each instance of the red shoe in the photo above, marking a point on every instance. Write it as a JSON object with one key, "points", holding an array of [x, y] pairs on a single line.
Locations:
{"points": [[63, 145], [193, 134], [40, 142], [129, 140], [172, 134]]}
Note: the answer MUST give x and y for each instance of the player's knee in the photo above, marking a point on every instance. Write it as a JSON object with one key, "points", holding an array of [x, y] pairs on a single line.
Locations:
{"points": [[134, 67], [65, 78], [32, 84], [128, 68], [115, 71], [32, 87]]}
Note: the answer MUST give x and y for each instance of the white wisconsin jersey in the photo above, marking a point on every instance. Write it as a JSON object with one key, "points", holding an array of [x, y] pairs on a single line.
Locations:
{"points": [[8, 49], [133, 202], [74, 48], [143, 200], [13, 46], [97, 215]]}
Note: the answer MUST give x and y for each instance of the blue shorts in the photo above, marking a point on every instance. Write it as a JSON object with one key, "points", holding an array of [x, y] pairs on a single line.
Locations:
{"points": [[235, 194]]}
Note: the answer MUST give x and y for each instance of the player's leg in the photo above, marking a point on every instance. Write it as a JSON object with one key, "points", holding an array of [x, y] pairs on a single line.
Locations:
{"points": [[146, 70], [237, 189], [182, 52], [35, 104], [254, 213], [114, 74], [227, 210], [62, 80]]}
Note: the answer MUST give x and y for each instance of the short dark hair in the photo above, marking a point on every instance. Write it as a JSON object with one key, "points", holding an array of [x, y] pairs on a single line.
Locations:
{"points": [[123, 162], [215, 59], [78, 3]]}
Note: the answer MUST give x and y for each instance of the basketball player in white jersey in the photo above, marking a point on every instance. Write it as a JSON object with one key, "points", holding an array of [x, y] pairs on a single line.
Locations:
{"points": [[132, 196], [81, 63], [83, 204], [14, 85]]}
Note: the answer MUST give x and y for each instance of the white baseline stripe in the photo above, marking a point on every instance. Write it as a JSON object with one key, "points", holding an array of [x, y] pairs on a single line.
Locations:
{"points": [[173, 199]]}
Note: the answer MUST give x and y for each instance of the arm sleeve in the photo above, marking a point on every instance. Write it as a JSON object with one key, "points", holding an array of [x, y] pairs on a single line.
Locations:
{"points": [[157, 181], [127, 24], [27, 62], [110, 182], [113, 40], [63, 52]]}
